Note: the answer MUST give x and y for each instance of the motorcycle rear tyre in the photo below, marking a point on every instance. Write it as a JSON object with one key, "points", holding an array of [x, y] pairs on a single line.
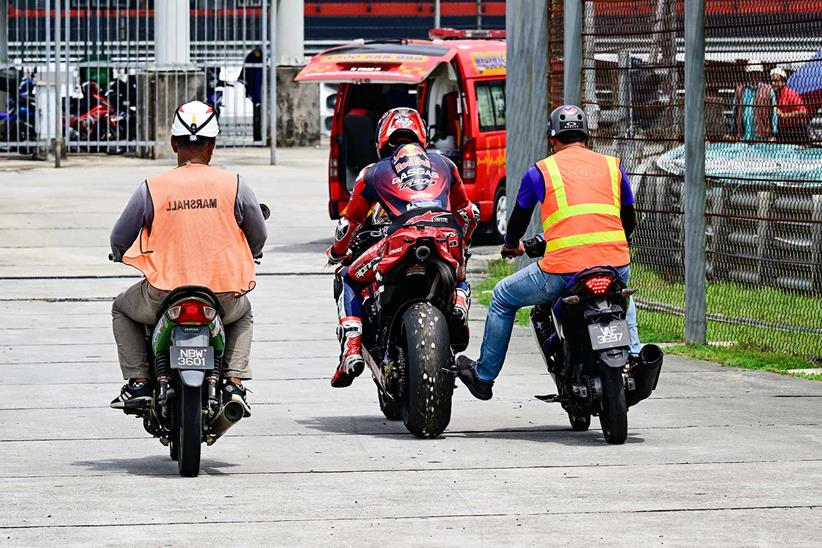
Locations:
{"points": [[190, 430], [426, 407], [614, 415]]}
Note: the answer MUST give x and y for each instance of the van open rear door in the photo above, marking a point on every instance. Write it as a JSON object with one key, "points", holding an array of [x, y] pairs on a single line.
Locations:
{"points": [[376, 63]]}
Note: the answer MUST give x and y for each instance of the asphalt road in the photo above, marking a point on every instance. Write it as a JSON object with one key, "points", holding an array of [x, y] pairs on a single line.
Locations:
{"points": [[717, 456]]}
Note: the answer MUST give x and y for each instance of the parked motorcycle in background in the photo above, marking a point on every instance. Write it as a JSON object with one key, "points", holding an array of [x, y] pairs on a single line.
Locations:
{"points": [[17, 122], [584, 339]]}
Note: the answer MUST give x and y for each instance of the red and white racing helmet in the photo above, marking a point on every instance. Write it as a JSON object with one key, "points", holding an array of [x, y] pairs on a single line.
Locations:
{"points": [[399, 125]]}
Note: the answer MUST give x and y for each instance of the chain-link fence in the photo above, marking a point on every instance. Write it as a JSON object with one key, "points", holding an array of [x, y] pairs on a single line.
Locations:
{"points": [[105, 76], [763, 160]]}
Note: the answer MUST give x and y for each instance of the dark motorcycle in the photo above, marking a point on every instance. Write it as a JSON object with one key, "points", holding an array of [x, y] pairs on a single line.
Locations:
{"points": [[409, 334], [584, 339], [185, 349], [17, 122]]}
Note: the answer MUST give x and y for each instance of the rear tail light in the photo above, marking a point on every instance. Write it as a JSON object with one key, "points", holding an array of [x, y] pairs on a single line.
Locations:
{"points": [[333, 168], [469, 161], [191, 311], [598, 285]]}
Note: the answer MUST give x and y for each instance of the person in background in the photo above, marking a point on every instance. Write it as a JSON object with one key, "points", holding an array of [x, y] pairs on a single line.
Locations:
{"points": [[754, 114], [792, 123], [252, 77]]}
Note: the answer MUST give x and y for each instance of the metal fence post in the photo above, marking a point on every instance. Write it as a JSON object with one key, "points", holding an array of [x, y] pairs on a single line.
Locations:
{"points": [[572, 44], [58, 100], [272, 79], [526, 94], [437, 14], [695, 284], [4, 32]]}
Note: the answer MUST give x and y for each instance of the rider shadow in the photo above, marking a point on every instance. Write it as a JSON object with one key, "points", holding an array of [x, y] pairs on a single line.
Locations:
{"points": [[362, 425], [151, 466], [551, 434]]}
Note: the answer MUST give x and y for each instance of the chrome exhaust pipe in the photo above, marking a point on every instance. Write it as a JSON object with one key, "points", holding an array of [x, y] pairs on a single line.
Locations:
{"points": [[423, 252], [229, 415]]}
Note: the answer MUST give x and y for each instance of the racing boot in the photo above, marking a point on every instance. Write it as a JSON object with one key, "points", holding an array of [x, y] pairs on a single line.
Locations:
{"points": [[351, 361], [462, 302]]}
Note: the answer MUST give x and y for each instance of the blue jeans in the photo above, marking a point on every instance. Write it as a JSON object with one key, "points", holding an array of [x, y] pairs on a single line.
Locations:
{"points": [[528, 287]]}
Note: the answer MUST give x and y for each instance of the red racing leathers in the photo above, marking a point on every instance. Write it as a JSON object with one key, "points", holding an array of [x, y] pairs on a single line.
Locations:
{"points": [[407, 180], [409, 185]]}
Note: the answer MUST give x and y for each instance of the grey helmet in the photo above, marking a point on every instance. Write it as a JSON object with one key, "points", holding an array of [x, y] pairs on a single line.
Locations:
{"points": [[567, 118]]}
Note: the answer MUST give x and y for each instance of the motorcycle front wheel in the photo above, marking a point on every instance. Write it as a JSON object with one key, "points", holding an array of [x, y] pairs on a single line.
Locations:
{"points": [[426, 407], [614, 414], [190, 429]]}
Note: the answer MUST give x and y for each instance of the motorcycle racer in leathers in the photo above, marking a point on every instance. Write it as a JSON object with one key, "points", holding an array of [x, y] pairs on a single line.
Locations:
{"points": [[404, 183]]}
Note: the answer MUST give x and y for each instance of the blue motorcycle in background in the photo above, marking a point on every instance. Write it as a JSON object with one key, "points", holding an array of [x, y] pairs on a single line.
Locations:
{"points": [[17, 122]]}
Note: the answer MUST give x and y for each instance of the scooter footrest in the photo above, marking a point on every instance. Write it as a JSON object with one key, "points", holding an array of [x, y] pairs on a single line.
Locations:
{"points": [[548, 398]]}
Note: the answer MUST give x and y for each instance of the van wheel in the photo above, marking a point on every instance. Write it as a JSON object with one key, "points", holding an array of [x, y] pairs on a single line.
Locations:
{"points": [[499, 221]]}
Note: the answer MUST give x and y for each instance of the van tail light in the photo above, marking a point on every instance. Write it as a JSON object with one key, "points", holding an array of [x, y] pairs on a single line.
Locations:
{"points": [[469, 161], [334, 163], [191, 312], [598, 285]]}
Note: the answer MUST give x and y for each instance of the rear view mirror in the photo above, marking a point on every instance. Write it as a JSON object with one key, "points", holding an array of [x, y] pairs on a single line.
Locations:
{"points": [[266, 211]]}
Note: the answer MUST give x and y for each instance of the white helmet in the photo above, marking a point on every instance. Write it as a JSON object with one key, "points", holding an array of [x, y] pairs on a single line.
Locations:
{"points": [[195, 119]]}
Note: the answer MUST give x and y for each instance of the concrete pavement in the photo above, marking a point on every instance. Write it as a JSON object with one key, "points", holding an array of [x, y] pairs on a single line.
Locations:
{"points": [[717, 456]]}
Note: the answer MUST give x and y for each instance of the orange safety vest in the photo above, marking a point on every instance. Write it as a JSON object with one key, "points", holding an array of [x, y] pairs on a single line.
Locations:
{"points": [[194, 238], [580, 212]]}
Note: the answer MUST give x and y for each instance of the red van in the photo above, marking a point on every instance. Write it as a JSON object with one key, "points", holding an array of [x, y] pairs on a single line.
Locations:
{"points": [[457, 82]]}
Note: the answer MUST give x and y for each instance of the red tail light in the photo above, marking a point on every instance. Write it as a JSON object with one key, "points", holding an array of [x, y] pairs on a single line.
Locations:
{"points": [[191, 311], [469, 161], [598, 285]]}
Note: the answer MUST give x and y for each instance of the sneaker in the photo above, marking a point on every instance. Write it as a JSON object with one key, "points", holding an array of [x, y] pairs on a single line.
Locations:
{"points": [[133, 394], [352, 363], [467, 372], [236, 392]]}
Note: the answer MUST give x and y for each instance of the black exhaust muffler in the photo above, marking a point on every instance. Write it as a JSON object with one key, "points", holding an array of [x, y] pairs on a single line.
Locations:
{"points": [[645, 374], [229, 415]]}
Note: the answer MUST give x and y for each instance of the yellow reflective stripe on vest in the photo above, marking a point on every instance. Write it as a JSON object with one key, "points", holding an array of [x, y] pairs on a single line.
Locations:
{"points": [[585, 239], [579, 209], [556, 181], [612, 167]]}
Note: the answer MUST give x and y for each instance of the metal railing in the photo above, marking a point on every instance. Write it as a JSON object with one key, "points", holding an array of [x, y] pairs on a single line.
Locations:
{"points": [[86, 73]]}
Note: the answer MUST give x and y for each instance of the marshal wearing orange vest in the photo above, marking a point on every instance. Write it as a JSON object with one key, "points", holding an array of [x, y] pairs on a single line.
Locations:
{"points": [[193, 225], [194, 238], [587, 219], [581, 211]]}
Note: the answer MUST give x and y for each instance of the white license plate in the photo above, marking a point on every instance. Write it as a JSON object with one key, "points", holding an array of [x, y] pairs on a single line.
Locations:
{"points": [[611, 334], [191, 357]]}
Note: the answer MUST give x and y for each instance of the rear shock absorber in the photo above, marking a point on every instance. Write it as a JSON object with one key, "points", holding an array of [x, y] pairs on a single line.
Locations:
{"points": [[213, 382], [163, 370]]}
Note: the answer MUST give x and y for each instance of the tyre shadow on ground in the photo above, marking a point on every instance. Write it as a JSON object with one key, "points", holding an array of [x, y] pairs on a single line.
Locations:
{"points": [[151, 466], [550, 434], [378, 426]]}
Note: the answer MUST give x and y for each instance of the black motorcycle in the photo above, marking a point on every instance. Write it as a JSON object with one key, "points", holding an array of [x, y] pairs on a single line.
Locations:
{"points": [[584, 339]]}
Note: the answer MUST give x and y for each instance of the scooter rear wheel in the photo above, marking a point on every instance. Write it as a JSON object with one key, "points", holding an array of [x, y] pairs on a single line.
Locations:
{"points": [[190, 430]]}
